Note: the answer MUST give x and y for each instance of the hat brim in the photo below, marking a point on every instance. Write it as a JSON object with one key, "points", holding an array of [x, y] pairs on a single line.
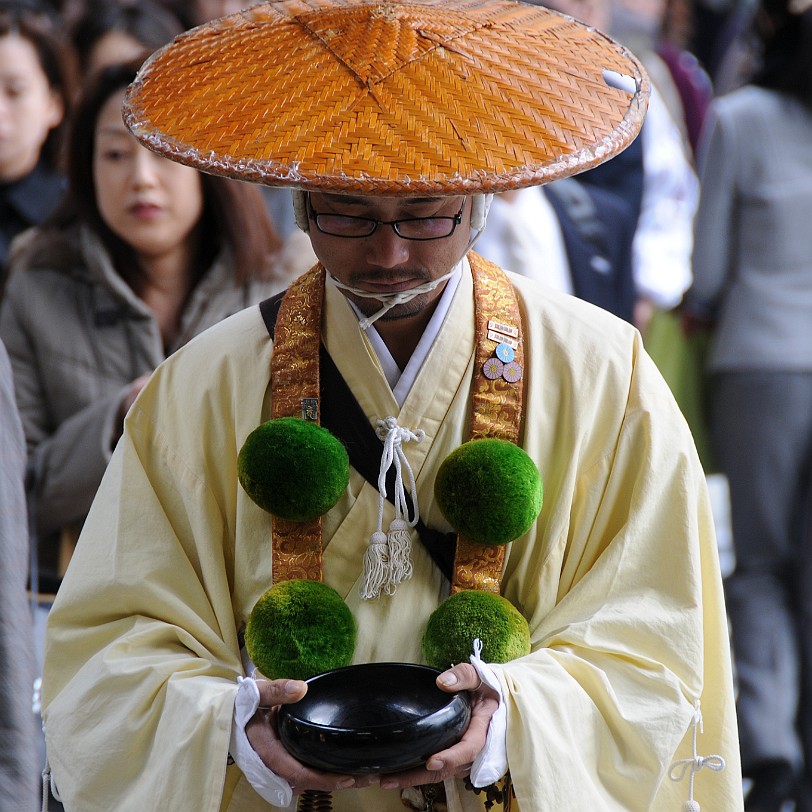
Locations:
{"points": [[426, 97]]}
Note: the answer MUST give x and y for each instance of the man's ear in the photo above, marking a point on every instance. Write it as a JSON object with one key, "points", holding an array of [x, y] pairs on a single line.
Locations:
{"points": [[300, 209], [480, 204]]}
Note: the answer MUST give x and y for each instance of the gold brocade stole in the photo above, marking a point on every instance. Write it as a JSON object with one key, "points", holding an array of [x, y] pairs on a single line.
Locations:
{"points": [[496, 408], [295, 383]]}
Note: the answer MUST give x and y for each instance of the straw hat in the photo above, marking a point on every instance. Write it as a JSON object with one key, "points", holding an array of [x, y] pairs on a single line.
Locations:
{"points": [[425, 97]]}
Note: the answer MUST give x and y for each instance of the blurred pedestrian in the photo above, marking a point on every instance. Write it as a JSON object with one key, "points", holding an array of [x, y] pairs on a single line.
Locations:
{"points": [[145, 255], [35, 90], [753, 283], [17, 722], [115, 31], [571, 236], [656, 178]]}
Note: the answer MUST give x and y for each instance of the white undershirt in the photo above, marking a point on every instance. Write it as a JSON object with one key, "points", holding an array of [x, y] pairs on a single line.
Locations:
{"points": [[401, 382]]}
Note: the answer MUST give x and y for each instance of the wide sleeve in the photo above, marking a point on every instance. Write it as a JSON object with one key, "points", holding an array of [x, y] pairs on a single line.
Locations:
{"points": [[627, 618], [142, 653], [715, 238]]}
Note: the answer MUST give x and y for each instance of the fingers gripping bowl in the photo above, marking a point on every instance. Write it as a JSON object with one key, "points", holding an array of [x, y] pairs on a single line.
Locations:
{"points": [[373, 718]]}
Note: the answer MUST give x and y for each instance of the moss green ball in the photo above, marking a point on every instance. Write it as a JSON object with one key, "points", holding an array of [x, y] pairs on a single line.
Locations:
{"points": [[458, 620], [293, 468], [298, 629], [489, 490]]}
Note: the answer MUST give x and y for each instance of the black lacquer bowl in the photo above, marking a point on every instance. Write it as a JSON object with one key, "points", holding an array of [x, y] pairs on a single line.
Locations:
{"points": [[373, 718]]}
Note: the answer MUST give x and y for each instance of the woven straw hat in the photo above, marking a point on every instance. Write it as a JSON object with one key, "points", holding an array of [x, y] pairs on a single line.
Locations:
{"points": [[425, 97]]}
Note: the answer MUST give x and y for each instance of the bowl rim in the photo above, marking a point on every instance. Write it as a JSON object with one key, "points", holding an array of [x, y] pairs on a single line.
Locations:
{"points": [[289, 715]]}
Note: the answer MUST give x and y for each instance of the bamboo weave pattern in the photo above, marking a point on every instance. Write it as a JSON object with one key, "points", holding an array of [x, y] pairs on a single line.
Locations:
{"points": [[389, 98]]}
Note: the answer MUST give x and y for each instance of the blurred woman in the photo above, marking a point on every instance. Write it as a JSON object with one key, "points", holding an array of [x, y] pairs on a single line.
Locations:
{"points": [[146, 254], [112, 32], [34, 93], [753, 283]]}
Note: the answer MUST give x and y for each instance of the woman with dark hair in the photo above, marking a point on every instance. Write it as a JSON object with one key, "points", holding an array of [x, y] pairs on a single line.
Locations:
{"points": [[35, 89], [144, 255], [753, 283], [111, 32]]}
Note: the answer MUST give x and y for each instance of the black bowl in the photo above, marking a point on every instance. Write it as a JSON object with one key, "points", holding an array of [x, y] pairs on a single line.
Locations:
{"points": [[373, 718]]}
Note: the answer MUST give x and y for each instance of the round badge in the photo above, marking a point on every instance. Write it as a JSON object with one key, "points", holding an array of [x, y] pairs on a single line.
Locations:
{"points": [[504, 352], [512, 372], [492, 369]]}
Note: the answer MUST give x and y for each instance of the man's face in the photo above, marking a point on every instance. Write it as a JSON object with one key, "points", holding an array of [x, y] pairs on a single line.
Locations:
{"points": [[383, 262]]}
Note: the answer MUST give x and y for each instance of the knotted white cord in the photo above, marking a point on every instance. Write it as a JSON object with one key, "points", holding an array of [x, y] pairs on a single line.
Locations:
{"points": [[393, 436], [388, 561], [693, 765], [390, 300]]}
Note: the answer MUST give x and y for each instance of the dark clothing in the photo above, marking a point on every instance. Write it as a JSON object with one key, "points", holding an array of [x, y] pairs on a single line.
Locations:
{"points": [[768, 598], [598, 233], [26, 202], [623, 176]]}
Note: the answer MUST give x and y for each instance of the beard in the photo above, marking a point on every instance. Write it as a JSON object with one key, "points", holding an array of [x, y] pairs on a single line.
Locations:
{"points": [[369, 306]]}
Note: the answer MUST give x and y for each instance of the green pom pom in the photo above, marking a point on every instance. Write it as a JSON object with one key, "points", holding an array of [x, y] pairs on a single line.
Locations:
{"points": [[489, 490], [459, 620], [298, 629], [293, 468]]}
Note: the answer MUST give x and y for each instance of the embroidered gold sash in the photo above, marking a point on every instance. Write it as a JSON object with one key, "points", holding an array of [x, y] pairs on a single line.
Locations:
{"points": [[297, 546], [496, 407]]}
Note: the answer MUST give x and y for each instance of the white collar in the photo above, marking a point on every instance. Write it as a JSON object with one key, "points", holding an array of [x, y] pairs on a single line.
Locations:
{"points": [[401, 382]]}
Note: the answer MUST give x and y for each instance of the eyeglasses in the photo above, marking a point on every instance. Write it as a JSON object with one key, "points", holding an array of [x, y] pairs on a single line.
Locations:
{"points": [[409, 228]]}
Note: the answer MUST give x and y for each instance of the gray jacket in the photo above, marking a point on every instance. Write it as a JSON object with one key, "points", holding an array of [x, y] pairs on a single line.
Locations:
{"points": [[753, 250], [17, 722], [78, 336]]}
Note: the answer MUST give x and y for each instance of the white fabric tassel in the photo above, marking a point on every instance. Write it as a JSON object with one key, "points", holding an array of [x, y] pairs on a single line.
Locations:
{"points": [[400, 551], [388, 558], [376, 566]]}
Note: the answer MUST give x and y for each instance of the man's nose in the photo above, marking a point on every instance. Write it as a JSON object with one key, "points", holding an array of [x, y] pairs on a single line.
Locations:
{"points": [[386, 249]]}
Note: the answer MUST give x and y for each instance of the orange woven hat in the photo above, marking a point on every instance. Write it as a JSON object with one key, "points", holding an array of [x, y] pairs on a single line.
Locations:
{"points": [[382, 97]]}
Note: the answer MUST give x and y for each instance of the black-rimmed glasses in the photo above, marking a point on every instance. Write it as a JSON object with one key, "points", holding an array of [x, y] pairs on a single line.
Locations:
{"points": [[409, 228]]}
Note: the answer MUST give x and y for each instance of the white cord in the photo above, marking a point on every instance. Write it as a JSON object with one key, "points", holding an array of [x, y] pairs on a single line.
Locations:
{"points": [[390, 300], [388, 560], [691, 766]]}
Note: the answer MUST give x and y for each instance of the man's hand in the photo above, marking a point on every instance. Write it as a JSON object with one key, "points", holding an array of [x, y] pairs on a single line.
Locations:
{"points": [[456, 761], [262, 735]]}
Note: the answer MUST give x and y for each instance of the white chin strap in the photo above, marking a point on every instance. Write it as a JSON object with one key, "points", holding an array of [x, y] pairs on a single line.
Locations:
{"points": [[390, 300], [480, 204]]}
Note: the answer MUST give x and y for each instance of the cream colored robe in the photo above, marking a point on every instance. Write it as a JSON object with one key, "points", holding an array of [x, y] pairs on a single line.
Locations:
{"points": [[618, 579]]}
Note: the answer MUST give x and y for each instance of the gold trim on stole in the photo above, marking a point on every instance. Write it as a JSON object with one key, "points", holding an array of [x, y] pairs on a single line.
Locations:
{"points": [[496, 410], [297, 546]]}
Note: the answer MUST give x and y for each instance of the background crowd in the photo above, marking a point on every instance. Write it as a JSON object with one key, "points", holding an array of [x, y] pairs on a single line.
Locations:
{"points": [[112, 258]]}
